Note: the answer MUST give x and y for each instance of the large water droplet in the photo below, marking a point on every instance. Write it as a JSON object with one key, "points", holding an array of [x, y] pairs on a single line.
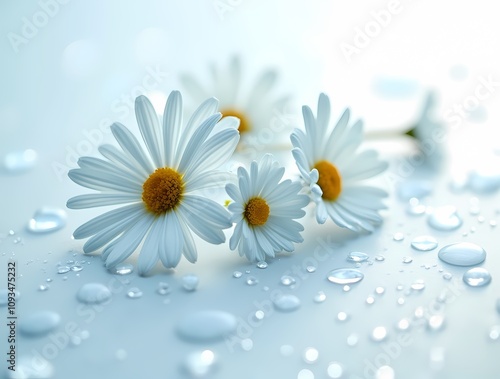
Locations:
{"points": [[39, 323], [357, 257], [345, 276], [17, 162], [462, 254], [47, 219], [31, 367], [424, 243], [477, 277], [445, 218], [200, 363], [287, 303], [206, 326], [122, 269], [190, 282], [93, 293]]}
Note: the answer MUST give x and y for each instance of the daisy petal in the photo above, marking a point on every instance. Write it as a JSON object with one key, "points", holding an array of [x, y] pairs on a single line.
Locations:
{"points": [[172, 119], [130, 144], [147, 119], [172, 241], [100, 199], [150, 249]]}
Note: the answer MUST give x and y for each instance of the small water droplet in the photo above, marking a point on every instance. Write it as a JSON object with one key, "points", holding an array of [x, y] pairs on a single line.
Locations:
{"points": [[385, 372], [122, 269], [419, 312], [399, 287], [76, 267], [206, 326], [445, 218], [447, 276], [287, 280], [252, 281], [246, 344], [310, 269], [43, 287], [435, 322], [403, 324], [39, 323], [47, 219], [342, 316], [305, 374], [370, 300], [262, 265], [20, 161], [352, 339], [414, 207], [319, 297], [335, 370], [287, 303], [357, 257], [379, 334], [424, 243], [462, 254], [310, 355], [286, 350], [345, 276], [190, 282], [93, 293], [398, 236], [477, 277], [407, 260], [418, 285], [259, 315], [379, 258], [163, 289], [200, 363], [401, 300], [494, 333], [346, 288], [134, 293], [379, 290], [237, 274]]}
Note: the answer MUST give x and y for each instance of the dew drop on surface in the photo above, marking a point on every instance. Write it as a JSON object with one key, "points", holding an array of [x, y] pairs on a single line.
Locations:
{"points": [[345, 276], [494, 333], [287, 303], [398, 236], [206, 326], [259, 315], [370, 300], [407, 260], [335, 370], [252, 281], [200, 363], [403, 324], [310, 269], [435, 322], [287, 280], [462, 254], [76, 267], [43, 287], [493, 223], [237, 274], [385, 372], [134, 293], [419, 312], [352, 339], [357, 257], [262, 264], [319, 297], [39, 323], [19, 161], [342, 316], [477, 277], [305, 374], [445, 218], [286, 350], [379, 290], [414, 207], [47, 219], [246, 344], [424, 243], [310, 355], [31, 367], [346, 288], [190, 282], [122, 269], [447, 276], [93, 293], [418, 285], [379, 258], [163, 289], [379, 334]]}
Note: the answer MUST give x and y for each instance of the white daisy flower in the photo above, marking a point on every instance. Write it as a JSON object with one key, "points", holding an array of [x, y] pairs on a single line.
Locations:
{"points": [[264, 210], [257, 109], [162, 189], [332, 167]]}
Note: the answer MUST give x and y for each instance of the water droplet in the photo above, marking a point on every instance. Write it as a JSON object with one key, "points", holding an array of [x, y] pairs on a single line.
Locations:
{"points": [[237, 274], [200, 363], [380, 290], [287, 280], [19, 161], [287, 303], [252, 281], [39, 323], [494, 333], [310, 269], [310, 355], [345, 276], [46, 220], [346, 288], [342, 316], [246, 344], [370, 300], [477, 277], [190, 282], [319, 297], [262, 264], [305, 374], [418, 285], [447, 276], [31, 367], [493, 223], [398, 236], [414, 207], [352, 339], [379, 333], [445, 218], [399, 287], [259, 315], [462, 254], [403, 324], [163, 289], [206, 326], [435, 322], [401, 300], [379, 258], [93, 293], [385, 372], [122, 269], [286, 350], [335, 370], [357, 257], [134, 293], [424, 243], [76, 267], [43, 287], [407, 260]]}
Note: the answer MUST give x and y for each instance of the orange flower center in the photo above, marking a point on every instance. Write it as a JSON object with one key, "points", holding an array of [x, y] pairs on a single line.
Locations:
{"points": [[244, 122], [162, 191], [329, 180], [257, 211]]}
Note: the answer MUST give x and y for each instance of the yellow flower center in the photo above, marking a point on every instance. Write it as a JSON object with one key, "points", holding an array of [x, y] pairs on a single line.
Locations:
{"points": [[329, 180], [162, 191], [244, 122], [256, 211]]}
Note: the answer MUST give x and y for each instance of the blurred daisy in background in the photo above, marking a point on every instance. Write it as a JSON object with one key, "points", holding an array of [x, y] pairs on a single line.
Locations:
{"points": [[258, 108], [162, 190], [330, 164], [264, 210]]}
